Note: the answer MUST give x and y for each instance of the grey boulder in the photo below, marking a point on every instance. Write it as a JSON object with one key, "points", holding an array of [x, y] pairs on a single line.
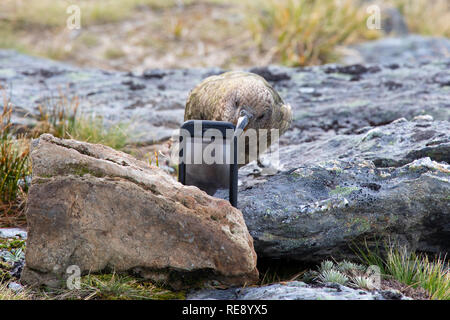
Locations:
{"points": [[391, 182]]}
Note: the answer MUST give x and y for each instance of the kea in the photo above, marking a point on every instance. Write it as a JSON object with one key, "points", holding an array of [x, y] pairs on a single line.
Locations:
{"points": [[249, 102]]}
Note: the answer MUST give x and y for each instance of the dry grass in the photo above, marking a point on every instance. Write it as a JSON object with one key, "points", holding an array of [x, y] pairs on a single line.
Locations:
{"points": [[15, 167], [305, 32], [128, 34], [8, 294], [428, 17], [23, 14], [61, 117], [110, 286]]}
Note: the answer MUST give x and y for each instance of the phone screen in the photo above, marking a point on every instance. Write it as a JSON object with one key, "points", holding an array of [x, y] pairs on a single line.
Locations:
{"points": [[207, 156]]}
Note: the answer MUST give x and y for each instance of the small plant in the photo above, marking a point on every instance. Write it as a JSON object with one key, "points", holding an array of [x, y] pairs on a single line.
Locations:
{"points": [[269, 277], [363, 283], [332, 276], [345, 273], [347, 266], [58, 116], [417, 270], [326, 265], [14, 255], [150, 159]]}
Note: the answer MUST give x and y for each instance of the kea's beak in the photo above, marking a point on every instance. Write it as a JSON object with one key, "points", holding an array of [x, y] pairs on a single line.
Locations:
{"points": [[242, 122], [241, 125]]}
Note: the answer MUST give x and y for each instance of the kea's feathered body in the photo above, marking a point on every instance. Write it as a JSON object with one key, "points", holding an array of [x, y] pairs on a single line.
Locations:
{"points": [[218, 97], [226, 97]]}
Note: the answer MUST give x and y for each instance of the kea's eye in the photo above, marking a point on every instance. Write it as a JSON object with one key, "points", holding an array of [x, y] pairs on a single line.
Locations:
{"points": [[242, 113]]}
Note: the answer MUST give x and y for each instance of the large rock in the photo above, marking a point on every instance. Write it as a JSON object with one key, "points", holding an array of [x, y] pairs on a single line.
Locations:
{"points": [[101, 209], [390, 182]]}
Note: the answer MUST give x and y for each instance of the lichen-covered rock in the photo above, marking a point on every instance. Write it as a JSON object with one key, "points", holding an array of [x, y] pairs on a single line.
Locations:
{"points": [[100, 209], [325, 100], [392, 145], [412, 49], [389, 182], [296, 290], [318, 211]]}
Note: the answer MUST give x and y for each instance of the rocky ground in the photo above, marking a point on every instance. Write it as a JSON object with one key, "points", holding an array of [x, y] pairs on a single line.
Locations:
{"points": [[326, 100], [296, 290], [367, 156]]}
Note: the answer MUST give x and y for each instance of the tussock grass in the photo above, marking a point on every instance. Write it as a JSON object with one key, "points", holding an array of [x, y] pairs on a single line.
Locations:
{"points": [[409, 268], [15, 167], [418, 270], [62, 118], [305, 32], [14, 164], [428, 17]]}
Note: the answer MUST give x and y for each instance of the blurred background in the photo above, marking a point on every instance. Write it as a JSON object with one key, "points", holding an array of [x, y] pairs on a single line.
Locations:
{"points": [[139, 34]]}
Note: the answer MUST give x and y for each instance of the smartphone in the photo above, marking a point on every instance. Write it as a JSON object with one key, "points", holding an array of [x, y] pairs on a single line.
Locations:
{"points": [[208, 157]]}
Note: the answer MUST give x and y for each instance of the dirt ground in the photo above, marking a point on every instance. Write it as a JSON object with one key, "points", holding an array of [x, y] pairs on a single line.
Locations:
{"points": [[200, 34]]}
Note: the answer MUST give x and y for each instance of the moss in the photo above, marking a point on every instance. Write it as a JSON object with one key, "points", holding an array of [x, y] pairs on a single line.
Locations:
{"points": [[79, 76], [81, 170], [4, 266], [296, 175], [358, 103], [170, 295], [343, 191], [361, 224], [9, 244], [4, 275], [112, 286]]}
